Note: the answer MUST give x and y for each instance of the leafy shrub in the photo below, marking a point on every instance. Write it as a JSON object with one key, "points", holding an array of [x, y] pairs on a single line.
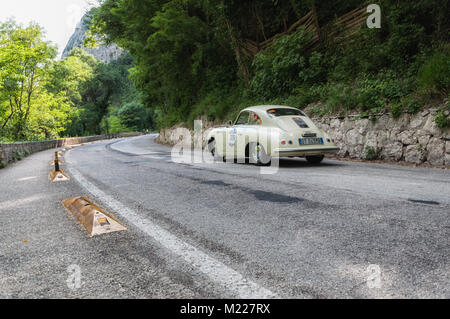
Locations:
{"points": [[115, 126], [17, 156], [370, 153], [370, 93], [282, 66], [341, 96], [442, 117], [134, 116], [316, 70], [309, 94], [406, 104], [434, 75]]}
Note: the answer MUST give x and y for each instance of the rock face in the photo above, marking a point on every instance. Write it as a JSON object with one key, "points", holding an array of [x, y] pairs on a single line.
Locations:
{"points": [[105, 53], [414, 154], [435, 149]]}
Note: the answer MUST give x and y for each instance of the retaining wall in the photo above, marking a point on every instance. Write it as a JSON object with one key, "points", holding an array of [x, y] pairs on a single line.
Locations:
{"points": [[411, 138], [13, 151]]}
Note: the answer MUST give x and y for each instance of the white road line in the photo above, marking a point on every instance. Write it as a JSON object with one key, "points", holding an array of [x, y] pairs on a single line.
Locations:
{"points": [[156, 157], [214, 269]]}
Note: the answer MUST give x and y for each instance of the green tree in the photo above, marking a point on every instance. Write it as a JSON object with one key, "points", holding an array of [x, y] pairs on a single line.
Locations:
{"points": [[68, 75], [134, 116], [24, 62], [206, 57]]}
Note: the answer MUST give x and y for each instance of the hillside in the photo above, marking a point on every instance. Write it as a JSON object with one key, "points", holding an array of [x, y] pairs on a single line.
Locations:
{"points": [[212, 58]]}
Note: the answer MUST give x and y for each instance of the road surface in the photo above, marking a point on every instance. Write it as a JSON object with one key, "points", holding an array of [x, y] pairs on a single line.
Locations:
{"points": [[223, 230]]}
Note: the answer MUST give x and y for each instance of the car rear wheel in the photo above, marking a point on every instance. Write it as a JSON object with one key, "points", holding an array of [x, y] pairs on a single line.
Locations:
{"points": [[258, 155], [213, 150], [314, 159]]}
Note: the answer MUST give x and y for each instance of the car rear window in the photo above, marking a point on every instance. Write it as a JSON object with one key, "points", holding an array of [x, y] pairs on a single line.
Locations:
{"points": [[285, 112]]}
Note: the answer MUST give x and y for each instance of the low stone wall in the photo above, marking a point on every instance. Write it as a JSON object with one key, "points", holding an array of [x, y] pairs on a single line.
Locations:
{"points": [[13, 151], [167, 135], [411, 138]]}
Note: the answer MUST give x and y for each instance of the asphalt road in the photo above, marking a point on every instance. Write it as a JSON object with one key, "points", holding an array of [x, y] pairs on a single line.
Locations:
{"points": [[219, 230]]}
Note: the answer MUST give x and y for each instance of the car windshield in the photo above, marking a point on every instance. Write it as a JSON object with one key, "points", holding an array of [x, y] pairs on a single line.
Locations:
{"points": [[285, 112]]}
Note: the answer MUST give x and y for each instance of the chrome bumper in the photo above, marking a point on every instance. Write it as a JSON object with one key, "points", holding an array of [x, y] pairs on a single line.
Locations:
{"points": [[305, 151]]}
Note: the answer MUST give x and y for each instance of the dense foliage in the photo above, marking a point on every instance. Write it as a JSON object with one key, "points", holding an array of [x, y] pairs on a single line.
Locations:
{"points": [[26, 108], [191, 58], [43, 98], [187, 62]]}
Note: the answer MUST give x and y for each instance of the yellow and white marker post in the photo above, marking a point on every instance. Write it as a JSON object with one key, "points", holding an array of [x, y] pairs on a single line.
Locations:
{"points": [[57, 175]]}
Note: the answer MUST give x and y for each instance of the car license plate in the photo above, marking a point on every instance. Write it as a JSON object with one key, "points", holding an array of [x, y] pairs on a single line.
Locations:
{"points": [[310, 141]]}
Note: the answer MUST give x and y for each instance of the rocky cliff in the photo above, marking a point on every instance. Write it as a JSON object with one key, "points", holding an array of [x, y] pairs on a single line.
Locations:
{"points": [[105, 53]]}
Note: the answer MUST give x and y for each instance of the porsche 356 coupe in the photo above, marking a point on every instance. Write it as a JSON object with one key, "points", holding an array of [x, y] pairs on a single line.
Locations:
{"points": [[291, 132]]}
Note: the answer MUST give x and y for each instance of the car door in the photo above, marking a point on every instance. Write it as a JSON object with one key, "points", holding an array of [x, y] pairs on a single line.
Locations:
{"points": [[248, 133], [235, 132]]}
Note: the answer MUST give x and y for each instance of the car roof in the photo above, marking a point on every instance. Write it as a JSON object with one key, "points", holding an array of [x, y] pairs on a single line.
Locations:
{"points": [[267, 107]]}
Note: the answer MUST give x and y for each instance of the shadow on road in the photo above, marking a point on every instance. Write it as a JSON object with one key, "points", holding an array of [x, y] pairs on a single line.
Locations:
{"points": [[300, 162]]}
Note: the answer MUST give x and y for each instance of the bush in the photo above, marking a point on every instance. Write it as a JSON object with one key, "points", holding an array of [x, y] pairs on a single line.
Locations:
{"points": [[280, 68], [17, 156], [134, 116], [434, 75], [115, 126], [406, 104], [370, 93], [442, 117], [341, 97], [370, 153]]}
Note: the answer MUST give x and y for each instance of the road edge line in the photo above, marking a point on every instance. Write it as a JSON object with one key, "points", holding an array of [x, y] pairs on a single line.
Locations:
{"points": [[215, 270]]}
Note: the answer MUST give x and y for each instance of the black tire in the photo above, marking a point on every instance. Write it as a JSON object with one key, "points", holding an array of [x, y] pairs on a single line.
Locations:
{"points": [[314, 159], [258, 155], [213, 150]]}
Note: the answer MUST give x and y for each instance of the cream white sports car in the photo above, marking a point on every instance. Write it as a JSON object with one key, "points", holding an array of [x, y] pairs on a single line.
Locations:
{"points": [[262, 132]]}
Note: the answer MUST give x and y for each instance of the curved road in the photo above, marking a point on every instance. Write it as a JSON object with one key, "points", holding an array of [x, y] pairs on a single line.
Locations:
{"points": [[223, 230], [306, 232]]}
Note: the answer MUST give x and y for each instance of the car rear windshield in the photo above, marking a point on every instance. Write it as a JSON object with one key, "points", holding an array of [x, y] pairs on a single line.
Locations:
{"points": [[285, 112]]}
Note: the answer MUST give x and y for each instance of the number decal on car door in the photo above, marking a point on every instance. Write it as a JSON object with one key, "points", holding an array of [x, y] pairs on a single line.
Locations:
{"points": [[232, 137]]}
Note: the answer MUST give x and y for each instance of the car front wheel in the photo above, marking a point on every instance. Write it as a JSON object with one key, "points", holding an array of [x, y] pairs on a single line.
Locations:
{"points": [[258, 155], [314, 159], [212, 149]]}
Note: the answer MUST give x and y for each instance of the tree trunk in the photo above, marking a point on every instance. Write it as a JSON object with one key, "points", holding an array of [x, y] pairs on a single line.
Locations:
{"points": [[10, 116]]}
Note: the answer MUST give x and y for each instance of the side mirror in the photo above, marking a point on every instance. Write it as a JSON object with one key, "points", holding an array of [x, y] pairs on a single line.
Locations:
{"points": [[229, 123]]}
